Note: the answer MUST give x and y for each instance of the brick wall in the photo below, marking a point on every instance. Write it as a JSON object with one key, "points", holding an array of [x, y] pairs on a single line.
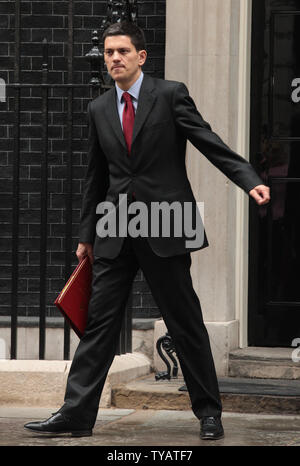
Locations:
{"points": [[51, 20]]}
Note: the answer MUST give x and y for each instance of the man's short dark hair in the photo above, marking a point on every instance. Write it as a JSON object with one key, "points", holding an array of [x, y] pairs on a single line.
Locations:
{"points": [[125, 28]]}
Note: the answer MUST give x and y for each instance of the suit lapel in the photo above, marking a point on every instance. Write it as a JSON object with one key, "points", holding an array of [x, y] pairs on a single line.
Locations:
{"points": [[145, 104], [113, 118]]}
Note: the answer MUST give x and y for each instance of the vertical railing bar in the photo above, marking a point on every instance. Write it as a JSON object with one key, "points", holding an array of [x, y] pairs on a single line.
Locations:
{"points": [[17, 40], [16, 189], [68, 214], [44, 205], [15, 229], [69, 177]]}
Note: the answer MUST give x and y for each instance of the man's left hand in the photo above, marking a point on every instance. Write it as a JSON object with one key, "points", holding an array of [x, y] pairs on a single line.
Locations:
{"points": [[261, 194]]}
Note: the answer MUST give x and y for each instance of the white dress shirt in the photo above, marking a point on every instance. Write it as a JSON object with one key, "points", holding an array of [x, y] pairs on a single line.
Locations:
{"points": [[134, 91]]}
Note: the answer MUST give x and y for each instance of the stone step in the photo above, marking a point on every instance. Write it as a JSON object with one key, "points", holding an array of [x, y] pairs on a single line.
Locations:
{"points": [[268, 396], [265, 363]]}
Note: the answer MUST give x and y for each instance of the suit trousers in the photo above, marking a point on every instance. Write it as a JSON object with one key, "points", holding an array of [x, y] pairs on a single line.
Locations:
{"points": [[170, 282]]}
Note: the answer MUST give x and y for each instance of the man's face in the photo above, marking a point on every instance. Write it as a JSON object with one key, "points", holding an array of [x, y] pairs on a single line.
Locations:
{"points": [[122, 59]]}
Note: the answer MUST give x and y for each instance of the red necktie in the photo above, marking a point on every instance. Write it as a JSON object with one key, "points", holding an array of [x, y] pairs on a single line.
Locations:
{"points": [[128, 120]]}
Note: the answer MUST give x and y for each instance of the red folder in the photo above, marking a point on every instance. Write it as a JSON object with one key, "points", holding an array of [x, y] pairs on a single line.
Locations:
{"points": [[74, 298]]}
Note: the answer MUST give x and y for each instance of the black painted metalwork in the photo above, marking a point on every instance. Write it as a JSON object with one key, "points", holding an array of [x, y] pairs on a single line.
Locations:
{"points": [[165, 343], [44, 203], [15, 190], [99, 83], [124, 10], [95, 57], [69, 174]]}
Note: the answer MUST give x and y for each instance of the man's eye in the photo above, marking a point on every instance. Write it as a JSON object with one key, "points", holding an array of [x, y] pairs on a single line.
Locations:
{"points": [[110, 52]]}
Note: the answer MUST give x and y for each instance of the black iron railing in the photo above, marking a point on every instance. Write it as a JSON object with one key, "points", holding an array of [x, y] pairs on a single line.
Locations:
{"points": [[15, 92], [17, 89]]}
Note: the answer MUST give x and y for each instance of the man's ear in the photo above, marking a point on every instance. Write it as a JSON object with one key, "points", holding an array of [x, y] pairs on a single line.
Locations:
{"points": [[142, 57]]}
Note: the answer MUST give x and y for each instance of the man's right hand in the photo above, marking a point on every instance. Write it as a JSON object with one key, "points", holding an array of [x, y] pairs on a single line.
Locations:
{"points": [[83, 250]]}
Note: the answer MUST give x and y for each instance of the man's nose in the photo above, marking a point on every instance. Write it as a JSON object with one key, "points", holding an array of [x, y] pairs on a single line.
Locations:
{"points": [[116, 56]]}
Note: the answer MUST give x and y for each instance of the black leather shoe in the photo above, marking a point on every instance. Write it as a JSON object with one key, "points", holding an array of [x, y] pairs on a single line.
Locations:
{"points": [[211, 428], [58, 424]]}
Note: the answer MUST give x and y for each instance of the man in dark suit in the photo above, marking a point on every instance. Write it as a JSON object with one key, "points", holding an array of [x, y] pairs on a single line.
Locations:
{"points": [[138, 133]]}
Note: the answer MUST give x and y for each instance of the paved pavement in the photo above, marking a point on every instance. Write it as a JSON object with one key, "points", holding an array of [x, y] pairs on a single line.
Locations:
{"points": [[160, 428]]}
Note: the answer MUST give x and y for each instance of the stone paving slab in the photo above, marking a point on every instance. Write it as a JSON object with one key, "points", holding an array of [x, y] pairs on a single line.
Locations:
{"points": [[165, 428], [264, 396]]}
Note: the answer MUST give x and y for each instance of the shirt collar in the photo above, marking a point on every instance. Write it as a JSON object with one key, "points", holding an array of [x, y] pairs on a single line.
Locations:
{"points": [[134, 90]]}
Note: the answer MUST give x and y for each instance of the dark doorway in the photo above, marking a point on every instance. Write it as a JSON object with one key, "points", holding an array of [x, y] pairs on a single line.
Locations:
{"points": [[274, 249]]}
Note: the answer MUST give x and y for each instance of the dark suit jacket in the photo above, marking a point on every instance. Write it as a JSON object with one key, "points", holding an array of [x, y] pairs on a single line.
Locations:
{"points": [[166, 118]]}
